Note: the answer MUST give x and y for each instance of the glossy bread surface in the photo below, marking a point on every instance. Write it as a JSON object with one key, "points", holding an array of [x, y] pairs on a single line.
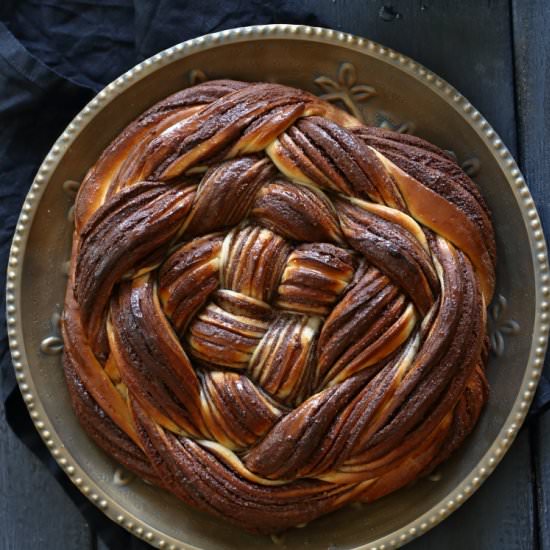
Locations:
{"points": [[274, 310]]}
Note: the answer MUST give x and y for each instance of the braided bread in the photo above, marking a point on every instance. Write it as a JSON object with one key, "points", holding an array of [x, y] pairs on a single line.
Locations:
{"points": [[273, 310]]}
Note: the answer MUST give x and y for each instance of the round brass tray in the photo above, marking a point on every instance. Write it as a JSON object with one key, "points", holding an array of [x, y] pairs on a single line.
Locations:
{"points": [[383, 87]]}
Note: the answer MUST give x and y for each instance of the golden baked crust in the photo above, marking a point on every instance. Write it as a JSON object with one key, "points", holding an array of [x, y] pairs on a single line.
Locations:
{"points": [[274, 310]]}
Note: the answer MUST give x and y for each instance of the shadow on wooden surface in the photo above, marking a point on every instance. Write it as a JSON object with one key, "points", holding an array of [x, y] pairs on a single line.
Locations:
{"points": [[34, 510], [531, 21]]}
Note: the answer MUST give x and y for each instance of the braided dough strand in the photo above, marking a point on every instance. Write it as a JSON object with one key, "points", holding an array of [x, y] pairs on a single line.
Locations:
{"points": [[274, 310]]}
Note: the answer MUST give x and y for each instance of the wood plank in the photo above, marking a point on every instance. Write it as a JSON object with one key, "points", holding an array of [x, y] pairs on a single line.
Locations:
{"points": [[134, 544], [123, 540], [542, 477], [532, 66], [531, 46], [34, 510]]}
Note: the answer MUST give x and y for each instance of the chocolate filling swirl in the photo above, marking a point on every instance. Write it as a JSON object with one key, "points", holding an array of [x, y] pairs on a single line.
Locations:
{"points": [[273, 310]]}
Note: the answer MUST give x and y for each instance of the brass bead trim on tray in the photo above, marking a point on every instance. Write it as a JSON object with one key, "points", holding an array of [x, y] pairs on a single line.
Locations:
{"points": [[461, 105]]}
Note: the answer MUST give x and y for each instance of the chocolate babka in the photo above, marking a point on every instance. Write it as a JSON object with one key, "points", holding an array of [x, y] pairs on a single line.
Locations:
{"points": [[274, 310]]}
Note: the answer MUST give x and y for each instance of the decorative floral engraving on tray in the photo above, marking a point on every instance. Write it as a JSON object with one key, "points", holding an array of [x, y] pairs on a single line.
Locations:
{"points": [[53, 344], [345, 89], [499, 326], [383, 120], [435, 476], [71, 189], [122, 477], [471, 166], [196, 76]]}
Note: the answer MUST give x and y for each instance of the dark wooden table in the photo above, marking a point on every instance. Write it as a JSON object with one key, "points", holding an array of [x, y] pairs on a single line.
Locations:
{"points": [[495, 53]]}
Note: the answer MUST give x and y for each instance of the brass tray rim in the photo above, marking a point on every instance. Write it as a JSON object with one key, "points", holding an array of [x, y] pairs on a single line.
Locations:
{"points": [[504, 158]]}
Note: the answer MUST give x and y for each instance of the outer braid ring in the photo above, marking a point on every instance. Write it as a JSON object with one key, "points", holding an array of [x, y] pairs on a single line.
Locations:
{"points": [[272, 309]]}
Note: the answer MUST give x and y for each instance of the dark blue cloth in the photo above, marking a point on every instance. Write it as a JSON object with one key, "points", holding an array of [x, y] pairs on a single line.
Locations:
{"points": [[54, 56]]}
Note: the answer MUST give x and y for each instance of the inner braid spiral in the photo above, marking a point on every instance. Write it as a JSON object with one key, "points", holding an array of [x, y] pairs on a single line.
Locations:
{"points": [[274, 310]]}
